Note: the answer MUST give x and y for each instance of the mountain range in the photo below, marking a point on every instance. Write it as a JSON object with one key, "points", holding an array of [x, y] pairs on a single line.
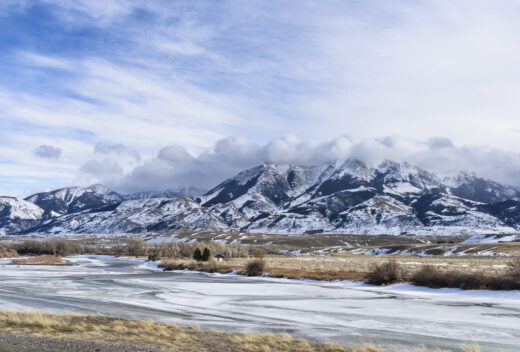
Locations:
{"points": [[337, 197]]}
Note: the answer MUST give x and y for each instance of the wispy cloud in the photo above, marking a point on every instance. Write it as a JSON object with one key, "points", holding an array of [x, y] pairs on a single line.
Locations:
{"points": [[152, 74], [46, 61]]}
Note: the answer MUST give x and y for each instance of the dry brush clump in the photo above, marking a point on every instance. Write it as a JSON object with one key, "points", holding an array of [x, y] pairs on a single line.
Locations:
{"points": [[6, 252], [169, 264], [255, 267], [434, 278], [53, 246], [385, 273]]}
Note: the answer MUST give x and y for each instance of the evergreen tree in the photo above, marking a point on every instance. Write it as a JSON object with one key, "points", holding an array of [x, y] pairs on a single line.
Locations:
{"points": [[206, 254], [197, 255]]}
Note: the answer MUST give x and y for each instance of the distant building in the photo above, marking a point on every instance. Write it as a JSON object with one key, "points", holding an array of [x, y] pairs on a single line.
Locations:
{"points": [[218, 257]]}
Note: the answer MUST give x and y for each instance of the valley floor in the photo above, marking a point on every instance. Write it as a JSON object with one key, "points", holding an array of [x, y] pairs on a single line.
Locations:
{"points": [[396, 317]]}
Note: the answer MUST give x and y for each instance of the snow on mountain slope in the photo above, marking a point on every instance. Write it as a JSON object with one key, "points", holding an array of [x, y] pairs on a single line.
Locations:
{"points": [[277, 183], [182, 191], [335, 197], [379, 212], [469, 185], [137, 216], [74, 199], [15, 208], [493, 238], [16, 214]]}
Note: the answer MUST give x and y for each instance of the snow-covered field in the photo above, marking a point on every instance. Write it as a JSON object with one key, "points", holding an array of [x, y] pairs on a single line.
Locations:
{"points": [[352, 313]]}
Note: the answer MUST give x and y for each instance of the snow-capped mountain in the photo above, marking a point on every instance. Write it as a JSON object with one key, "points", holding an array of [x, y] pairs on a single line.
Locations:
{"points": [[469, 185], [74, 199], [336, 197], [18, 215]]}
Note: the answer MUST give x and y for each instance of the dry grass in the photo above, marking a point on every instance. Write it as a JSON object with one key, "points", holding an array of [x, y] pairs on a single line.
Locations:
{"points": [[40, 260], [8, 252], [274, 269], [382, 271], [355, 267], [501, 272], [165, 336]]}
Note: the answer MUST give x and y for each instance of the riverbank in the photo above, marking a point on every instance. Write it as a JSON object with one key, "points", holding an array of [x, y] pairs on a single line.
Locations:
{"points": [[240, 268], [71, 332], [387, 270]]}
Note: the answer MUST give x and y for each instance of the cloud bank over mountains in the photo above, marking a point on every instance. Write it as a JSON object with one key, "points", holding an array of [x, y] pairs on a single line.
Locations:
{"points": [[173, 165]]}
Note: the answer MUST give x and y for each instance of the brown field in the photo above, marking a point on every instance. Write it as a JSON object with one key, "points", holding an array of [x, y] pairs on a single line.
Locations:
{"points": [[40, 260], [167, 337], [273, 242], [347, 266], [338, 265], [319, 256]]}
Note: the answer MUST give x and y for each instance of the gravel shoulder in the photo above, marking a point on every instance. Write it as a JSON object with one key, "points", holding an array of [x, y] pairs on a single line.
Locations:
{"points": [[10, 342]]}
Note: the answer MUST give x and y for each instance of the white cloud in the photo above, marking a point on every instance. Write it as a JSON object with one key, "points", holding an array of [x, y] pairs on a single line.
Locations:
{"points": [[105, 167], [175, 166], [116, 148], [174, 153]]}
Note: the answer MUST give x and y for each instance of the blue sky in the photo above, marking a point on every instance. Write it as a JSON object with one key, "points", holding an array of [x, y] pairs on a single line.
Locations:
{"points": [[152, 94]]}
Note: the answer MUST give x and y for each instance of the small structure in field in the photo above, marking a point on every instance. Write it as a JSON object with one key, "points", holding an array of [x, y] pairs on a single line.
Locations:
{"points": [[218, 257]]}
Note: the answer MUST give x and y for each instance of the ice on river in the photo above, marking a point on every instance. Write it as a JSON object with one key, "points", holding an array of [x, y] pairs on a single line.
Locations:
{"points": [[352, 313]]}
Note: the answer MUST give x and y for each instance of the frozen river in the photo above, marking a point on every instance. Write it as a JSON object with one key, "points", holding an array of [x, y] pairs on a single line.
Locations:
{"points": [[396, 316]]}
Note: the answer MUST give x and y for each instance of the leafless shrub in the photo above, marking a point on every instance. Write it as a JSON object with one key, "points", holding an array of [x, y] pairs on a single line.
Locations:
{"points": [[123, 247], [255, 267], [169, 264], [435, 251], [136, 247], [385, 273], [54, 246], [434, 278]]}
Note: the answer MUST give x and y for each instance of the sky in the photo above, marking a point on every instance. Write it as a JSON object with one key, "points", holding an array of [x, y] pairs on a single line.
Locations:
{"points": [[146, 95]]}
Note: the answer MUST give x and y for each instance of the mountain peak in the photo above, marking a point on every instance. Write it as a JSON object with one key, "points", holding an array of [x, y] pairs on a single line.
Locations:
{"points": [[388, 166]]}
